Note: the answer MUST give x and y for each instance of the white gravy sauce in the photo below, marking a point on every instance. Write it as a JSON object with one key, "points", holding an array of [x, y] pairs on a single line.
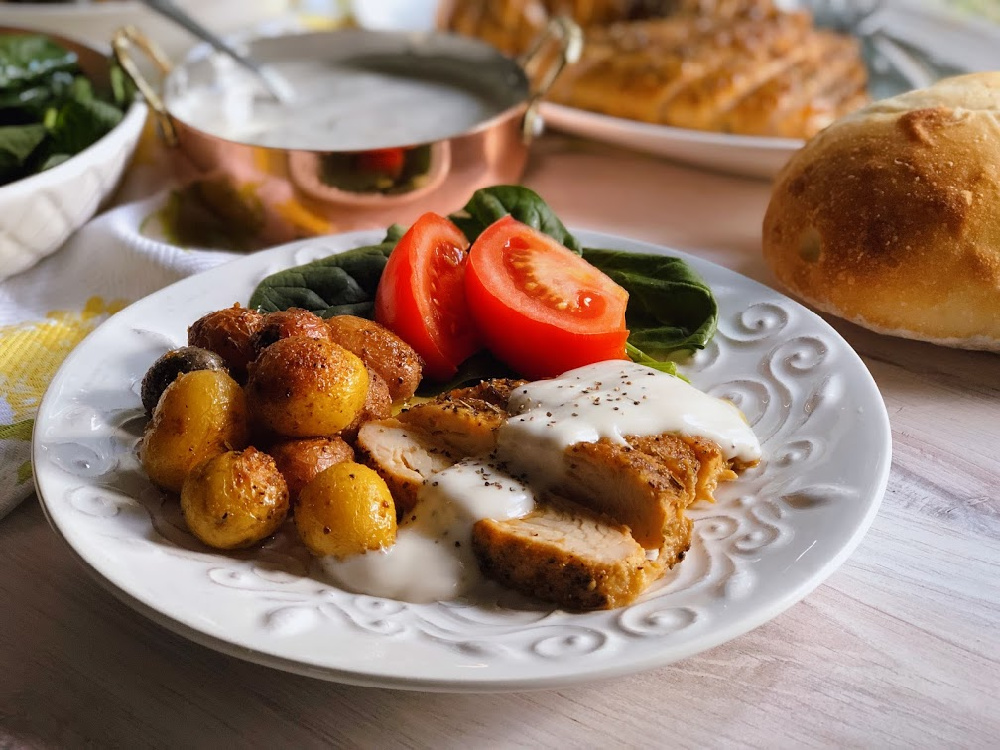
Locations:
{"points": [[333, 108], [432, 559]]}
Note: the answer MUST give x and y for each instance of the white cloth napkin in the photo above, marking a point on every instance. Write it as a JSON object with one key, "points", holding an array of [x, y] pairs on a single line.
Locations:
{"points": [[46, 310]]}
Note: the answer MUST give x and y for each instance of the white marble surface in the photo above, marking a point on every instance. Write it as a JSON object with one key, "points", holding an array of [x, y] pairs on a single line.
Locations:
{"points": [[898, 649]]}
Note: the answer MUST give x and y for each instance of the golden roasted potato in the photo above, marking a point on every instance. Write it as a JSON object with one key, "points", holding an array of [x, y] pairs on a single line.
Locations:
{"points": [[378, 405], [234, 499], [381, 350], [287, 323], [228, 333], [346, 510], [301, 460], [200, 415], [305, 387], [165, 370]]}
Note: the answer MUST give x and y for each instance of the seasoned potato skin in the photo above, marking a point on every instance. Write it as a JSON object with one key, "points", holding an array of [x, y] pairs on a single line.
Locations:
{"points": [[299, 461], [381, 350], [201, 414], [234, 499], [378, 405], [228, 333], [346, 510], [306, 387], [165, 370], [287, 323]]}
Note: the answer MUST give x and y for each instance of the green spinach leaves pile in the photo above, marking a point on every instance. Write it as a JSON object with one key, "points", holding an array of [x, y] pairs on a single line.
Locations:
{"points": [[49, 110], [670, 310]]}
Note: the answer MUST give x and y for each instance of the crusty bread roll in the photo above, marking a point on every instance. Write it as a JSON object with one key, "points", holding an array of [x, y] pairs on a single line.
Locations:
{"points": [[890, 217]]}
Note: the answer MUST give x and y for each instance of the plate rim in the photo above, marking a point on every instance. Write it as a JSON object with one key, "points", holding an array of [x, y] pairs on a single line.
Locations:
{"points": [[676, 134], [482, 683]]}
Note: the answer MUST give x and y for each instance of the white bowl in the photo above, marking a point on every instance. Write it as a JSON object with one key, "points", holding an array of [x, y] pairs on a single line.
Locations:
{"points": [[40, 212], [94, 22]]}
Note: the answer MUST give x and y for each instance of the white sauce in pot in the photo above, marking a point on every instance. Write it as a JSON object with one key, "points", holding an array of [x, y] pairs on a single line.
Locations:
{"points": [[432, 559], [334, 108]]}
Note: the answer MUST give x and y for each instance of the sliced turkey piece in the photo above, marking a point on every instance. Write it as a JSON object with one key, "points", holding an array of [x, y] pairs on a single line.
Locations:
{"points": [[564, 554], [463, 426], [403, 456], [618, 503], [408, 449]]}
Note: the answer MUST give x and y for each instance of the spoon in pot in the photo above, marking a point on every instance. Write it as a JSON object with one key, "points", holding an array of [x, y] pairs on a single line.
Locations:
{"points": [[276, 86]]}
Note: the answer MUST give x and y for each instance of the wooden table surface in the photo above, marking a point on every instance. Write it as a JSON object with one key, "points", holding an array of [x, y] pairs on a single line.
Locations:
{"points": [[899, 648]]}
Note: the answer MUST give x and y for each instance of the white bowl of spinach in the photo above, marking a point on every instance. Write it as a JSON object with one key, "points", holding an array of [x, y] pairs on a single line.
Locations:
{"points": [[68, 127]]}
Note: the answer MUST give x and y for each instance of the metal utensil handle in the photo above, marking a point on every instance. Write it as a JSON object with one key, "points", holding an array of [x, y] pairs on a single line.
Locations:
{"points": [[564, 32], [276, 87], [122, 42]]}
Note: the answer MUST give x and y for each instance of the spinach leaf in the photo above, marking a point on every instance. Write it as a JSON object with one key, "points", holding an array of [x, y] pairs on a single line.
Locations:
{"points": [[341, 284], [669, 309], [26, 58], [492, 203], [394, 234], [49, 110], [80, 122], [53, 160], [477, 368], [640, 357], [17, 143]]}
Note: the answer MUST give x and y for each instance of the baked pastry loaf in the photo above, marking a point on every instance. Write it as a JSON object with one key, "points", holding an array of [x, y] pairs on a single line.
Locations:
{"points": [[890, 217], [734, 66]]}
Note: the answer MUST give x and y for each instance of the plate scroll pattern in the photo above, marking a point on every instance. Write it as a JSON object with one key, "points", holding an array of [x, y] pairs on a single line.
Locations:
{"points": [[769, 358]]}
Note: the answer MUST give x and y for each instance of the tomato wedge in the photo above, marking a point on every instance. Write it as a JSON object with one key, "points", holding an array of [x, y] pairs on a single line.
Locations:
{"points": [[421, 295], [539, 307]]}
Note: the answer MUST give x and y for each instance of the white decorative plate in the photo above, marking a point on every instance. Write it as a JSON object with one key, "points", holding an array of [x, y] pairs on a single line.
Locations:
{"points": [[771, 538], [752, 156]]}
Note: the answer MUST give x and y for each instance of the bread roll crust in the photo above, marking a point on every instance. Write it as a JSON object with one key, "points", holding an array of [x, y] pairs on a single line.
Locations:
{"points": [[891, 216]]}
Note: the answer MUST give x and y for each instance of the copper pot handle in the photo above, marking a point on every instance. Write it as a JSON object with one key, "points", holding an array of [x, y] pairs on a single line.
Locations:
{"points": [[122, 42], [564, 32]]}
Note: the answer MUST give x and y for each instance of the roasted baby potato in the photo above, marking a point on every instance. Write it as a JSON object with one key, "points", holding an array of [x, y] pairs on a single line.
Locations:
{"points": [[299, 461], [165, 370], [234, 499], [378, 400], [200, 415], [228, 333], [378, 405], [305, 387], [346, 510], [285, 324], [381, 350]]}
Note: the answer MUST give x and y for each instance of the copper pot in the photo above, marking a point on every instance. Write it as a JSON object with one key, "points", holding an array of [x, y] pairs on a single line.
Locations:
{"points": [[336, 182]]}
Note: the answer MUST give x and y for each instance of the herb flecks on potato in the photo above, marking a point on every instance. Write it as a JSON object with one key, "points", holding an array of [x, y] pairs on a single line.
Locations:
{"points": [[300, 460], [234, 499], [229, 333], [380, 349], [284, 324], [200, 415], [346, 510], [306, 387], [167, 368]]}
